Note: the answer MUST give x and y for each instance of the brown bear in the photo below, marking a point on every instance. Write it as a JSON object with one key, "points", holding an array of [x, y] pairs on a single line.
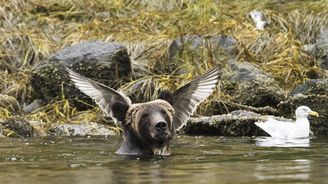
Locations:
{"points": [[149, 127]]}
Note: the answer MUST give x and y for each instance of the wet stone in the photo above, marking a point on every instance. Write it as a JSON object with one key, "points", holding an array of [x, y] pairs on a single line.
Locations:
{"points": [[224, 107], [237, 123], [17, 128], [107, 63], [36, 104], [80, 130]]}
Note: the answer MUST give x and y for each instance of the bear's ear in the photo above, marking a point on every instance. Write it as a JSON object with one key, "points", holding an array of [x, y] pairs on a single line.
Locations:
{"points": [[166, 95], [119, 111]]}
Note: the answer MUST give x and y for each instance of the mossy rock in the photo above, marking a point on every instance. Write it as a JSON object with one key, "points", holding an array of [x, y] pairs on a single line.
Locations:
{"points": [[237, 123], [107, 63], [257, 95], [260, 98], [80, 130], [16, 128], [311, 87]]}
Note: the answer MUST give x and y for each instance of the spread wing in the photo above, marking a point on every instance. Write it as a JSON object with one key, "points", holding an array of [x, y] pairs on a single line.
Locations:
{"points": [[104, 96], [187, 98]]}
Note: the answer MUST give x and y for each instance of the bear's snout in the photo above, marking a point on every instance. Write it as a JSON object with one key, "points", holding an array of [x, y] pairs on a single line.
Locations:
{"points": [[161, 126]]}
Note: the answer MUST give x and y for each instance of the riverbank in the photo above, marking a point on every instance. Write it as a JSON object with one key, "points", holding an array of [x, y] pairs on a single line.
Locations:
{"points": [[273, 59]]}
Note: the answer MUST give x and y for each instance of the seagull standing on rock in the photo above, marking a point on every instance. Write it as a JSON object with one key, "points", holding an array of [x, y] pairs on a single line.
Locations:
{"points": [[298, 129]]}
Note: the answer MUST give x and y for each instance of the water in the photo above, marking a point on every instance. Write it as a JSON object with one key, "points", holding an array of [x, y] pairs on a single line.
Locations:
{"points": [[193, 160]]}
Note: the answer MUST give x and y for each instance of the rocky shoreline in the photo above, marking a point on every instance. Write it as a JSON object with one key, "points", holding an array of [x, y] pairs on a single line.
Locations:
{"points": [[245, 94]]}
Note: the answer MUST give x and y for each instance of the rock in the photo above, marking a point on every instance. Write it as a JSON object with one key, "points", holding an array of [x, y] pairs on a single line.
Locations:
{"points": [[256, 95], [17, 128], [245, 72], [68, 130], [259, 19], [237, 123], [317, 102], [107, 63], [80, 130], [36, 104], [322, 48], [321, 41], [313, 86], [195, 43], [323, 62], [225, 107], [244, 86]]}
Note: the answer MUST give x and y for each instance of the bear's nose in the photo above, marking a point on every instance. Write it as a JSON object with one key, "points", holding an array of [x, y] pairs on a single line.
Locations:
{"points": [[161, 126]]}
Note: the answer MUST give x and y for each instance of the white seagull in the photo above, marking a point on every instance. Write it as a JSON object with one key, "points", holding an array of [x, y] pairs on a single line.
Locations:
{"points": [[298, 129]]}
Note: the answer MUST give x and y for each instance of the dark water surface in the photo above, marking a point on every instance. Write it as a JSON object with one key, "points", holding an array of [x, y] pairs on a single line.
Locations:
{"points": [[193, 160]]}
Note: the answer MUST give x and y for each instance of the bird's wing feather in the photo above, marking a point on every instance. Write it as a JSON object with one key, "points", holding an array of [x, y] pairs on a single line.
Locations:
{"points": [[103, 96], [276, 128], [187, 98]]}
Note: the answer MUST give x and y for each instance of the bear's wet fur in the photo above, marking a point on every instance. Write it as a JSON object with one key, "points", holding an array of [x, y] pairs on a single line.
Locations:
{"points": [[149, 127], [142, 133]]}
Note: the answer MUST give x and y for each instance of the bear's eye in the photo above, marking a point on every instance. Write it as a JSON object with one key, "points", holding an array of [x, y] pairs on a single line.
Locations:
{"points": [[144, 115], [163, 112]]}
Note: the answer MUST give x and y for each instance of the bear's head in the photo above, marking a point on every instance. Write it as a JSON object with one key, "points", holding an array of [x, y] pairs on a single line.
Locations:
{"points": [[148, 123], [148, 127]]}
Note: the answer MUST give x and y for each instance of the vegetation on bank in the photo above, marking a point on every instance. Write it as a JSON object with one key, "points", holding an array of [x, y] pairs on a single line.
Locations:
{"points": [[31, 30]]}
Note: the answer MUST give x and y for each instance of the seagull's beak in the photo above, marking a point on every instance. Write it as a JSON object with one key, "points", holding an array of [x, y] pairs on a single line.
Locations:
{"points": [[313, 113]]}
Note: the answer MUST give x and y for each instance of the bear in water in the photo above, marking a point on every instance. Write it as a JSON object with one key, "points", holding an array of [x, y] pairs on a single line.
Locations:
{"points": [[149, 127]]}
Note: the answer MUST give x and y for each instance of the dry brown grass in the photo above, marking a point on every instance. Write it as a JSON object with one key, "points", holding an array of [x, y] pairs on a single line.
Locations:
{"points": [[31, 30]]}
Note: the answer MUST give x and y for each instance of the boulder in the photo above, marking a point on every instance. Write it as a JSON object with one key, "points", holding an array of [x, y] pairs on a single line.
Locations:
{"points": [[311, 87], [16, 128], [80, 130], [245, 72], [36, 104], [237, 123], [249, 85], [322, 48], [245, 86], [107, 63], [225, 107], [227, 43], [257, 95]]}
